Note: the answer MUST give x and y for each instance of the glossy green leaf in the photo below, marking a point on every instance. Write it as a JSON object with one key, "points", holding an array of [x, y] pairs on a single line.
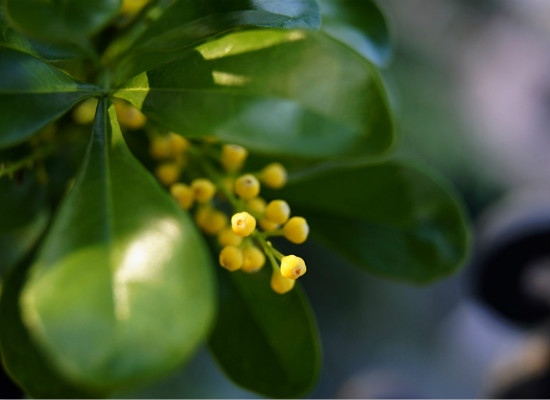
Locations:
{"points": [[66, 21], [359, 24], [121, 290], [392, 219], [24, 218], [46, 51], [32, 94], [264, 341], [184, 24], [21, 357], [274, 91]]}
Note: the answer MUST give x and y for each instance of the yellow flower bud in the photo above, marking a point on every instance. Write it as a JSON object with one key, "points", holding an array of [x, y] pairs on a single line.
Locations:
{"points": [[243, 224], [256, 205], [231, 258], [178, 144], [280, 284], [183, 194], [277, 211], [128, 115], [84, 113], [292, 267], [168, 173], [233, 157], [268, 226], [253, 259], [296, 230], [227, 237], [160, 148], [247, 186], [210, 221], [203, 190], [274, 176]]}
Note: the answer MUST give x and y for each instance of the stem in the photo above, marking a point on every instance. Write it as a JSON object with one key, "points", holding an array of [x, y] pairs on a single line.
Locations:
{"points": [[26, 161], [275, 233], [276, 252], [268, 250]]}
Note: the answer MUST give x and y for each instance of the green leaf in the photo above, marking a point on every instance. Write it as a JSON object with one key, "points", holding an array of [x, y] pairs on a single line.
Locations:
{"points": [[21, 357], [32, 94], [359, 24], [46, 51], [185, 23], [264, 341], [287, 92], [65, 21], [24, 218], [121, 290], [392, 219]]}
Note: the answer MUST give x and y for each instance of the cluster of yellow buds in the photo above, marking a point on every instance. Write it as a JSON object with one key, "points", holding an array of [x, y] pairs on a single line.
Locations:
{"points": [[244, 236], [170, 150]]}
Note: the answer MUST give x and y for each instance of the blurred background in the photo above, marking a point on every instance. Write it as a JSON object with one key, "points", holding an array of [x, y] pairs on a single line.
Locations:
{"points": [[471, 82]]}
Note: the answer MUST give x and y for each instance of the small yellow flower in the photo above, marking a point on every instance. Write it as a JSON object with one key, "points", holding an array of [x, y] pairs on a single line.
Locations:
{"points": [[247, 186], [256, 205], [227, 237], [292, 267], [210, 221], [243, 224], [183, 194], [203, 190], [253, 259], [233, 157], [268, 226], [274, 175], [84, 113], [277, 211], [296, 230], [128, 115], [168, 173], [231, 258], [280, 284]]}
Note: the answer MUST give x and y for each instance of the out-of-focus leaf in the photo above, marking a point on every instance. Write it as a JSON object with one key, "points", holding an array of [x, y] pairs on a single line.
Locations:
{"points": [[46, 51], [295, 93], [392, 219], [183, 24], [359, 24], [21, 357], [264, 341], [121, 290], [32, 94], [24, 218], [64, 21]]}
